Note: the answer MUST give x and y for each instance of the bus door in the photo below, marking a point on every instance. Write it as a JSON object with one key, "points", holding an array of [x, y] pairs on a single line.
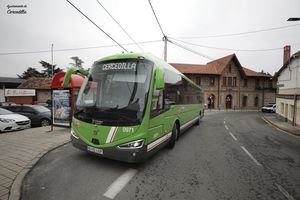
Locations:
{"points": [[156, 122]]}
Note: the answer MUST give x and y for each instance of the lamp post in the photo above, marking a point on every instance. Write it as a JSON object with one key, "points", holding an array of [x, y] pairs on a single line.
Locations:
{"points": [[293, 19]]}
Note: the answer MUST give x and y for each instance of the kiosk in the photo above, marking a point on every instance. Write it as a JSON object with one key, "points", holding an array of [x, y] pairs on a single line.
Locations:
{"points": [[64, 98]]}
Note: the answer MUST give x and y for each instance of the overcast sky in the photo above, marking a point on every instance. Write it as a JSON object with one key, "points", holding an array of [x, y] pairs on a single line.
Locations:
{"points": [[55, 21]]}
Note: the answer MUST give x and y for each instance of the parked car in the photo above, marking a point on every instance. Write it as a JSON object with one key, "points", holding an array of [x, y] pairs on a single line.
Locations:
{"points": [[10, 121], [39, 115], [7, 103], [49, 106], [269, 108]]}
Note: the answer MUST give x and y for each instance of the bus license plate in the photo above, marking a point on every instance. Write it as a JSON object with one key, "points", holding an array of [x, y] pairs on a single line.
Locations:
{"points": [[95, 150]]}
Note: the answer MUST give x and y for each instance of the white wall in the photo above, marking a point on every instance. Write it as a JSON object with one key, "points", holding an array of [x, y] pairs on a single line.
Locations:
{"points": [[290, 78]]}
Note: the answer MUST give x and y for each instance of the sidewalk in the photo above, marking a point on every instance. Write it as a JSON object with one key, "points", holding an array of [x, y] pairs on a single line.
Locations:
{"points": [[287, 127], [20, 150], [213, 111]]}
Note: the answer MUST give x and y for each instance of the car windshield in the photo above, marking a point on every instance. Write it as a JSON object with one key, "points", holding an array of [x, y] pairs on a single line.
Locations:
{"points": [[115, 91], [40, 108], [269, 106], [5, 112]]}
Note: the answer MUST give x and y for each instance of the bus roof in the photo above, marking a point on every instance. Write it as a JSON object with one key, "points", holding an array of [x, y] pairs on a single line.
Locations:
{"points": [[157, 61]]}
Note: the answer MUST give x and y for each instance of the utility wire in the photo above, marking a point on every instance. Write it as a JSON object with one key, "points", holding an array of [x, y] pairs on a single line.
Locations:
{"points": [[157, 19], [227, 49], [191, 50], [217, 62], [72, 49], [242, 33], [97, 26], [120, 26]]}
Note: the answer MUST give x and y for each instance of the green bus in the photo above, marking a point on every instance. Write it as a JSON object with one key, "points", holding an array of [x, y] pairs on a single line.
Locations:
{"points": [[131, 105]]}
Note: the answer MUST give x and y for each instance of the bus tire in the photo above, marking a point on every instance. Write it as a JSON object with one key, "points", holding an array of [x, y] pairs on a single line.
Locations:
{"points": [[174, 137]]}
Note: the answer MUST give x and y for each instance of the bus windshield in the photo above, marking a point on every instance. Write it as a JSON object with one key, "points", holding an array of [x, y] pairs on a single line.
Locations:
{"points": [[115, 93]]}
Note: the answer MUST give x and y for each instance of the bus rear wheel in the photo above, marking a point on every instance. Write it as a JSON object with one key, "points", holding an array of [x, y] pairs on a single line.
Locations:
{"points": [[174, 137]]}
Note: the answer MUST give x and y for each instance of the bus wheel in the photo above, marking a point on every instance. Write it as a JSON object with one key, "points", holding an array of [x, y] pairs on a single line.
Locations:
{"points": [[174, 137]]}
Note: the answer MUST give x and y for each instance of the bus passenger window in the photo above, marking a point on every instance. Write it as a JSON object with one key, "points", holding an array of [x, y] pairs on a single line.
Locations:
{"points": [[157, 102]]}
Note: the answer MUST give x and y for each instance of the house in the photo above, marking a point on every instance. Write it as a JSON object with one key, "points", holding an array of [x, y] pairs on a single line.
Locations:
{"points": [[7, 82], [34, 90], [288, 83], [229, 85]]}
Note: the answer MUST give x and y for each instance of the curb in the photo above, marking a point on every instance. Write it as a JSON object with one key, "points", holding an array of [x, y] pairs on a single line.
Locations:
{"points": [[15, 190], [278, 127]]}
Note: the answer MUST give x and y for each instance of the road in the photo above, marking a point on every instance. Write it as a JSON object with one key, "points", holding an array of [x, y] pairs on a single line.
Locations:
{"points": [[234, 155]]}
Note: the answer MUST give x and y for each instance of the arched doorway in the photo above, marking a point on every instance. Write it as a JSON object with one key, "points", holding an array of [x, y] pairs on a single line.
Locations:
{"points": [[228, 101], [211, 101]]}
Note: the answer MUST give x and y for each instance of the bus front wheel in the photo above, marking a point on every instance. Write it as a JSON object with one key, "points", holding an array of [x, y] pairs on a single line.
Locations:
{"points": [[174, 137]]}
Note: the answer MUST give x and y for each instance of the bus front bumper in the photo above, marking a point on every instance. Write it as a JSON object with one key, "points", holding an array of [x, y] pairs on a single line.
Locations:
{"points": [[126, 155]]}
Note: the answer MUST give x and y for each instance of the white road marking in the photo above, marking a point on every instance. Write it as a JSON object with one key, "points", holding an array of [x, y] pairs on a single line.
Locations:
{"points": [[120, 183], [226, 127], [232, 136], [284, 192], [224, 122], [250, 155]]}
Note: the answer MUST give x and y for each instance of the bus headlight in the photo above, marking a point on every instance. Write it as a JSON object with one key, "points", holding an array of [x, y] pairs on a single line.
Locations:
{"points": [[74, 134], [132, 145]]}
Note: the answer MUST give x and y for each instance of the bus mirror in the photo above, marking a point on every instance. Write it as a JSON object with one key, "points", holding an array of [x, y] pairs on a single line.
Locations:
{"points": [[160, 79]]}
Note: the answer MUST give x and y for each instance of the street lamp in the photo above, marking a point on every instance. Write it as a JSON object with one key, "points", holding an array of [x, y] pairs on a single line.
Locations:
{"points": [[292, 19]]}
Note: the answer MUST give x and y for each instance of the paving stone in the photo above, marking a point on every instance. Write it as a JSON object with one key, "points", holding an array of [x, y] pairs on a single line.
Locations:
{"points": [[18, 150]]}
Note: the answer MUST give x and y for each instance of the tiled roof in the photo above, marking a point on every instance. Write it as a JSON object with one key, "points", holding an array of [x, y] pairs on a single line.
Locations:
{"points": [[221, 63], [250, 72], [215, 67], [194, 68], [37, 83]]}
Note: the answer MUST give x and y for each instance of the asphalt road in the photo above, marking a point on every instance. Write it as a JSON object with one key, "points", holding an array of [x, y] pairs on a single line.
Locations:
{"points": [[229, 156]]}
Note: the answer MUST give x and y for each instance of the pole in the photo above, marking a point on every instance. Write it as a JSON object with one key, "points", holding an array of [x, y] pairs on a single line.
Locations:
{"points": [[51, 91], [165, 39], [52, 59]]}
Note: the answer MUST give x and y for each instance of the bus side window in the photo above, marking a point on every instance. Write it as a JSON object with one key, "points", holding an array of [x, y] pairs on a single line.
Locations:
{"points": [[157, 102]]}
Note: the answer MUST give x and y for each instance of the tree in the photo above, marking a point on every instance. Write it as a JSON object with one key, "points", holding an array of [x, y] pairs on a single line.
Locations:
{"points": [[47, 71], [30, 72], [77, 62]]}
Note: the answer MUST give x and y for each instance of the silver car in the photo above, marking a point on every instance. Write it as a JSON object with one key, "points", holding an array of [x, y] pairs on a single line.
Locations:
{"points": [[10, 121]]}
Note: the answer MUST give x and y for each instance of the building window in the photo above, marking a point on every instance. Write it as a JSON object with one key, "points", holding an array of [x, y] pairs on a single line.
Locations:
{"points": [[229, 81], [244, 104], [256, 102], [229, 68], [245, 82], [234, 81], [212, 81], [198, 80], [282, 108], [270, 84], [257, 83], [224, 81]]}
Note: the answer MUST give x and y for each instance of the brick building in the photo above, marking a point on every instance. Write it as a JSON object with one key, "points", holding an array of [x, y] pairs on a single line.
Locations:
{"points": [[42, 87], [228, 85]]}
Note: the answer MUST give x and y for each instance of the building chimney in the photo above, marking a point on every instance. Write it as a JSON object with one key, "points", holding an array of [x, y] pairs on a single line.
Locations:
{"points": [[286, 53]]}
